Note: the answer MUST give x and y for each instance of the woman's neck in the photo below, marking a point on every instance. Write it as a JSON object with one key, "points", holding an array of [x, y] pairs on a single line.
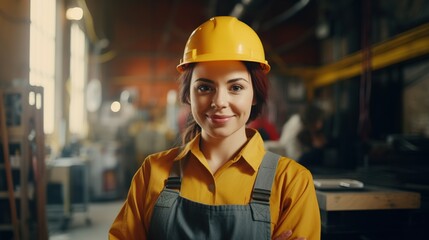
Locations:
{"points": [[220, 150]]}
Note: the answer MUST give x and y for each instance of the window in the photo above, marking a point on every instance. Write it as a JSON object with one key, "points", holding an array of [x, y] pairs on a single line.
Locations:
{"points": [[42, 55], [78, 79]]}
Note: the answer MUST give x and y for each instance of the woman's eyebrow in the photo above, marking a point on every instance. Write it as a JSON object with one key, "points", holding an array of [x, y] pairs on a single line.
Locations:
{"points": [[237, 79], [206, 80]]}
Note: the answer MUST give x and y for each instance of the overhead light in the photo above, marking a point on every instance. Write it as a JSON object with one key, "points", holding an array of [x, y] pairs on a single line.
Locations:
{"points": [[322, 30], [75, 13], [115, 106]]}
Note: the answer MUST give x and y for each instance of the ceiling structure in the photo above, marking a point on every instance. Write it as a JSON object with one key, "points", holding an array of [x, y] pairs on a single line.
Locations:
{"points": [[146, 38], [162, 27]]}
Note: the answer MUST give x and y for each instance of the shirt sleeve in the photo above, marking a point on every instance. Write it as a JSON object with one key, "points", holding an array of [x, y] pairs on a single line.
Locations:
{"points": [[129, 222], [299, 209]]}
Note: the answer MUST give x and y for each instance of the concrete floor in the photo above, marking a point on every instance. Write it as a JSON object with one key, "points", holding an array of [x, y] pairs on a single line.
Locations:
{"points": [[101, 216]]}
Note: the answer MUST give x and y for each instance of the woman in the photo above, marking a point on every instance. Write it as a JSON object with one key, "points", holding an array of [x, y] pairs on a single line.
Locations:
{"points": [[208, 189]]}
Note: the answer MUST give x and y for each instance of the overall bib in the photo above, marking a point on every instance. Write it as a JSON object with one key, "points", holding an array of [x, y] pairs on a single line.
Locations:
{"points": [[176, 218]]}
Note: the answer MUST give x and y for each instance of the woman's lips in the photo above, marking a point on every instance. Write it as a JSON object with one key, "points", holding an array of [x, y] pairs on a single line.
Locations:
{"points": [[219, 118]]}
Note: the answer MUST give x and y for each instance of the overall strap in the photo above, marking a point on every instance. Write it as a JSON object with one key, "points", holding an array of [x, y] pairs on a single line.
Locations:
{"points": [[260, 203], [166, 199], [174, 180], [264, 179]]}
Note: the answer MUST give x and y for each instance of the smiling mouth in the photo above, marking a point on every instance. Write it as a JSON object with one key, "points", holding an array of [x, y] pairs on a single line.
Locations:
{"points": [[219, 119]]}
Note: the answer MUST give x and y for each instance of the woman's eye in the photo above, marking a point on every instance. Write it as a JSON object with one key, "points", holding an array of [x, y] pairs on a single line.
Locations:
{"points": [[203, 88], [236, 88]]}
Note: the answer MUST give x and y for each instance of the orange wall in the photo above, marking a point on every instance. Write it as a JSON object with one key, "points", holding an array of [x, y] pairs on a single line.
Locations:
{"points": [[14, 40]]}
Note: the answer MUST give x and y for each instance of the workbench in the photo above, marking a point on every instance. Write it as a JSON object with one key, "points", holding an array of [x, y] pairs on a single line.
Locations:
{"points": [[371, 212], [68, 193]]}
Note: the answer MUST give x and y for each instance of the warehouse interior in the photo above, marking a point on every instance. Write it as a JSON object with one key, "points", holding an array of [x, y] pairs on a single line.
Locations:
{"points": [[82, 95]]}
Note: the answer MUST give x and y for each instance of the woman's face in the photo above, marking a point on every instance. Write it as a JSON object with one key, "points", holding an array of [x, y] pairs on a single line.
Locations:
{"points": [[221, 97]]}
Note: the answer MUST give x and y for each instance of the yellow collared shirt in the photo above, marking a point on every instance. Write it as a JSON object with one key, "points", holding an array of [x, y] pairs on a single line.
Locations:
{"points": [[293, 202]]}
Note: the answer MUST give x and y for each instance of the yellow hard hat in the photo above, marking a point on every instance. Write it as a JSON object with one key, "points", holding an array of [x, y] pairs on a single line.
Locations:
{"points": [[223, 38]]}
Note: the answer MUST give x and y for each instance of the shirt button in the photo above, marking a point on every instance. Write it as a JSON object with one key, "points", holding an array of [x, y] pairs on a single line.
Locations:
{"points": [[211, 187]]}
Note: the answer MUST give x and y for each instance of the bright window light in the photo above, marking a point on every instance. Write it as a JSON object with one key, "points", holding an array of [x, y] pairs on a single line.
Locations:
{"points": [[78, 76], [42, 55]]}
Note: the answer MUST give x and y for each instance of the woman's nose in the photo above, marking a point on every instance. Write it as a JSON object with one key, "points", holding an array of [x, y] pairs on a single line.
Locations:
{"points": [[220, 99]]}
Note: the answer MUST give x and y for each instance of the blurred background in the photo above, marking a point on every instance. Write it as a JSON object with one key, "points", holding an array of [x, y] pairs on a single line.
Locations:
{"points": [[89, 89]]}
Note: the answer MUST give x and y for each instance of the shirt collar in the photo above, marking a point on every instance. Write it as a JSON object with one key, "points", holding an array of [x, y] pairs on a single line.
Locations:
{"points": [[252, 152], [192, 146]]}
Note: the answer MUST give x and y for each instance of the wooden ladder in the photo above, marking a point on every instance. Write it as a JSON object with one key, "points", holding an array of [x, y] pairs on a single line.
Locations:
{"points": [[8, 169]]}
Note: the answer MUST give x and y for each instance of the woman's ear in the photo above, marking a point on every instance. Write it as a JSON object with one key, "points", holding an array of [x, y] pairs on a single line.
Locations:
{"points": [[254, 101]]}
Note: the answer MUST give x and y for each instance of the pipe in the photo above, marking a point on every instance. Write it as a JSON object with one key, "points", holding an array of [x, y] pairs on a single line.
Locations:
{"points": [[283, 16], [239, 8]]}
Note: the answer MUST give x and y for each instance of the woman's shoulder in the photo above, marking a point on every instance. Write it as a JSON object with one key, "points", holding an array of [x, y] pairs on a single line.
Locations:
{"points": [[158, 165], [291, 168], [163, 157]]}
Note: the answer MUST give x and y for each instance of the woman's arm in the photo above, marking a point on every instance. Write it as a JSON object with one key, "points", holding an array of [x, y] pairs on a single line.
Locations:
{"points": [[287, 236], [129, 222], [299, 209]]}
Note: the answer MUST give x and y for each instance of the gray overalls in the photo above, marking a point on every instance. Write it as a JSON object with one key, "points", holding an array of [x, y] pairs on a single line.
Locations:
{"points": [[176, 218]]}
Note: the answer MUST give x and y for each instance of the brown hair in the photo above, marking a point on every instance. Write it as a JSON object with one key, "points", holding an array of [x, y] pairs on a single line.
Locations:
{"points": [[260, 91]]}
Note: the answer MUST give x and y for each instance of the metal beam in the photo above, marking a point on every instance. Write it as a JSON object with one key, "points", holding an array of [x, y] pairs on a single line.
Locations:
{"points": [[406, 46]]}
